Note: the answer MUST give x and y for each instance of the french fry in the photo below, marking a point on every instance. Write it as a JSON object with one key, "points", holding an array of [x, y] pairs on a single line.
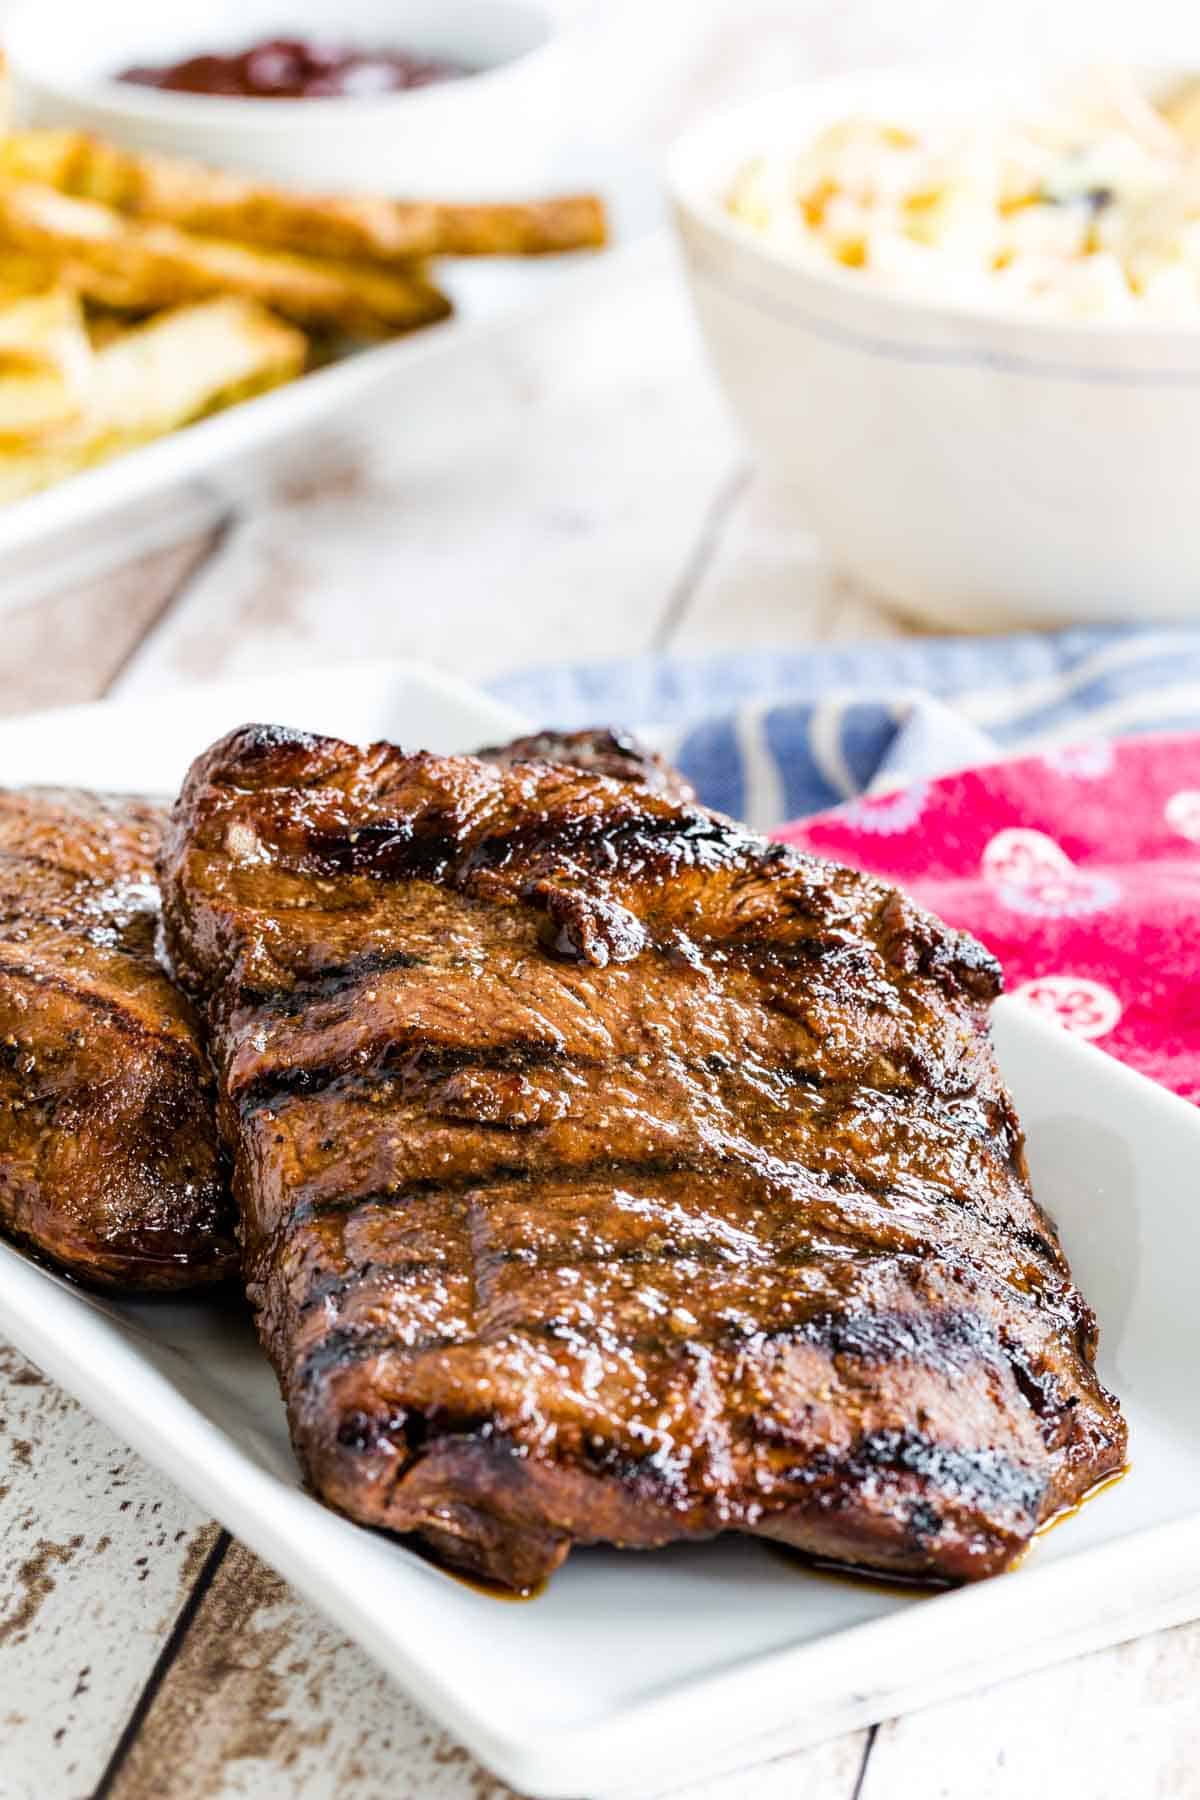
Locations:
{"points": [[523, 228], [196, 198], [22, 275], [157, 377], [45, 365], [215, 201], [125, 263]]}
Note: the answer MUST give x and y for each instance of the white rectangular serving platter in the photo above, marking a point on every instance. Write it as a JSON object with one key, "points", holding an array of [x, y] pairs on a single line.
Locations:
{"points": [[634, 1672], [216, 454]]}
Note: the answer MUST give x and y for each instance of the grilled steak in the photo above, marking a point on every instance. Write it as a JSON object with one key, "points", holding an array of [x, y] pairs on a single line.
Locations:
{"points": [[608, 1173], [109, 1158]]}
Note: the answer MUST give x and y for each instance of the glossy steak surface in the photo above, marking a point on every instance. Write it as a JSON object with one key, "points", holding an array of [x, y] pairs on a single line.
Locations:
{"points": [[109, 1157], [609, 1173]]}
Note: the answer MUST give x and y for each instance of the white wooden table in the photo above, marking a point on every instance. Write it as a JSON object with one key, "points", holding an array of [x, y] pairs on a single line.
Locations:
{"points": [[572, 490]]}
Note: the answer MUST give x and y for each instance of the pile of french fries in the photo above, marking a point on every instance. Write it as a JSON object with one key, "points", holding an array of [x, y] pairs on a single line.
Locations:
{"points": [[139, 293]]}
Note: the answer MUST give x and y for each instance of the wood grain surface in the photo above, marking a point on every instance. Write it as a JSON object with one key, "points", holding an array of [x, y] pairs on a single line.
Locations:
{"points": [[573, 489]]}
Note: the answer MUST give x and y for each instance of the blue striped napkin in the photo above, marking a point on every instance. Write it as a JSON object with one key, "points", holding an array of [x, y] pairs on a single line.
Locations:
{"points": [[769, 735]]}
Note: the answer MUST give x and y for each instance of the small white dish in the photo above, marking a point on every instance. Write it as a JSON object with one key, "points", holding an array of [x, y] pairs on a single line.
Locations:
{"points": [[488, 134], [981, 470], [634, 1672]]}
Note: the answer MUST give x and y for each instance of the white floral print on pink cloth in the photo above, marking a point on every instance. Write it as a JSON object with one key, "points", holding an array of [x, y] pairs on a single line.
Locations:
{"points": [[1085, 761], [1080, 869], [883, 815], [1182, 813], [1033, 874], [1087, 1008]]}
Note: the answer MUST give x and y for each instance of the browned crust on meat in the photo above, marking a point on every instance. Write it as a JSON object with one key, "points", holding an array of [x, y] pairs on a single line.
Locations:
{"points": [[598, 751], [609, 1173], [110, 1166]]}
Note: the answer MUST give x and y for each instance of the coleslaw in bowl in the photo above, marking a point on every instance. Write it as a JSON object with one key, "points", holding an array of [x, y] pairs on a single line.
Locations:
{"points": [[981, 459], [1086, 205]]}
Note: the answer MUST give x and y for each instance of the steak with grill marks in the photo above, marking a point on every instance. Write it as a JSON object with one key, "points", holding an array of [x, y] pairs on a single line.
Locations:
{"points": [[608, 1173], [110, 1164]]}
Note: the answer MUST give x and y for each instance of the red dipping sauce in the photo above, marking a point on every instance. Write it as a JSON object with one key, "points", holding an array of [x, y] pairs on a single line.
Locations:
{"points": [[291, 69]]}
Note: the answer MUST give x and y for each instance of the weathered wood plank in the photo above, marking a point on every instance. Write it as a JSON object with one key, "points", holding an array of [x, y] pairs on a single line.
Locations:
{"points": [[69, 646], [768, 581], [1123, 1722], [825, 1772], [266, 1698], [97, 1553], [532, 500]]}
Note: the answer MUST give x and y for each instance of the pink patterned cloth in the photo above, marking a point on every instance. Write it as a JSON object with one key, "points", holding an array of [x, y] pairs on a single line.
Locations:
{"points": [[1080, 869]]}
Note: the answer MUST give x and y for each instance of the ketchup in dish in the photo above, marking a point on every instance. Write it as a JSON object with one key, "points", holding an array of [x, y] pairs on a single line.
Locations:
{"points": [[292, 69]]}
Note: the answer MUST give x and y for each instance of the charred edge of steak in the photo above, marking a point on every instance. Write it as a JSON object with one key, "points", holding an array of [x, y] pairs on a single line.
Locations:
{"points": [[564, 858], [563, 862], [652, 845], [599, 750], [937, 1512], [949, 1473]]}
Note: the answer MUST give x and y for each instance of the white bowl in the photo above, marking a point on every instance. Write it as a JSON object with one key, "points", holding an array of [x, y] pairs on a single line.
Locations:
{"points": [[492, 133], [979, 470]]}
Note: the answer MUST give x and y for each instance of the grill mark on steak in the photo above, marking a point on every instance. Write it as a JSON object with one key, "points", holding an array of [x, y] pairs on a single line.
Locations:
{"points": [[953, 1344], [836, 1333], [983, 1477], [366, 1028], [723, 1157], [939, 1340], [549, 1151], [307, 1209], [514, 1058], [642, 842], [410, 1057], [516, 971], [662, 1183], [949, 1343], [329, 984], [115, 1016]]}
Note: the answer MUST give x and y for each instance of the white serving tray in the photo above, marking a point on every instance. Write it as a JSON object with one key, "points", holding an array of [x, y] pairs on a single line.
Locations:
{"points": [[84, 521], [637, 1671]]}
